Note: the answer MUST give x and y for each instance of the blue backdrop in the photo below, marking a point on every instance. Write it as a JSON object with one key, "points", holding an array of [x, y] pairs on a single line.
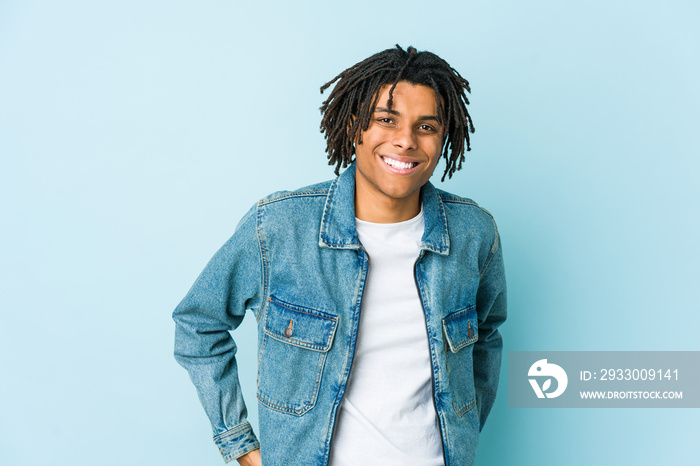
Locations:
{"points": [[134, 135]]}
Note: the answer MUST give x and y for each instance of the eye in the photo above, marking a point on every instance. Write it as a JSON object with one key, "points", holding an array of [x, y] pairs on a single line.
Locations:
{"points": [[427, 128], [385, 120]]}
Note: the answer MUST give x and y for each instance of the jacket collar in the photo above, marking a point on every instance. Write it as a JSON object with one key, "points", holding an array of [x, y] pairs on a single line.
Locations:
{"points": [[338, 222]]}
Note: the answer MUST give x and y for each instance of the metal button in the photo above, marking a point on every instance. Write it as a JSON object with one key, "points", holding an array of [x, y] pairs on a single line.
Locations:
{"points": [[288, 332]]}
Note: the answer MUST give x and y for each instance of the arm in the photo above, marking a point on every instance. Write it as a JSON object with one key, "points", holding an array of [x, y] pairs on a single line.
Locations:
{"points": [[491, 309], [230, 283], [251, 458]]}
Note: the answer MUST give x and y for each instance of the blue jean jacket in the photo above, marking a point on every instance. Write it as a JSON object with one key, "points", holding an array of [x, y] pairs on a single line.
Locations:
{"points": [[296, 262]]}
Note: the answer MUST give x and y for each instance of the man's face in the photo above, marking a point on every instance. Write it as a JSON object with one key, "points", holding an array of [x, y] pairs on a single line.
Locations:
{"points": [[398, 154]]}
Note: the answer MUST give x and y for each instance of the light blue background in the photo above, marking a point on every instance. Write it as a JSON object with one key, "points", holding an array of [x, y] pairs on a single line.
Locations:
{"points": [[134, 135]]}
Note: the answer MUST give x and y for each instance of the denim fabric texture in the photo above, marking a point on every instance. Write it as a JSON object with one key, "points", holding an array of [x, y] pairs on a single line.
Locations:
{"points": [[296, 262]]}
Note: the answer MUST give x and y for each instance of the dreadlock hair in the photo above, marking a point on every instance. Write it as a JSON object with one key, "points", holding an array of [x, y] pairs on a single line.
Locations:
{"points": [[348, 110]]}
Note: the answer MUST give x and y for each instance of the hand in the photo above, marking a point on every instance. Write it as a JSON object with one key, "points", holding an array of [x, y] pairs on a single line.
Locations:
{"points": [[252, 458]]}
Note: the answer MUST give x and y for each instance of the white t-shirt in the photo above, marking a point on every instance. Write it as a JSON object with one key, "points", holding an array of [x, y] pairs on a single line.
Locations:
{"points": [[388, 415]]}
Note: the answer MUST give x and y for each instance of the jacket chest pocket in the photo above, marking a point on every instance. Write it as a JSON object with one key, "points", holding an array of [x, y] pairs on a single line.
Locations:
{"points": [[461, 332], [292, 354]]}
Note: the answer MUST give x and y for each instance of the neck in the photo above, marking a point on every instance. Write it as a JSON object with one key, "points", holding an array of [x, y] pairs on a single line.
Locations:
{"points": [[380, 209]]}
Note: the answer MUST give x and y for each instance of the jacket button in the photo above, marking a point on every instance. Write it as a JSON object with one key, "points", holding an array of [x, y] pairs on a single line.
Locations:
{"points": [[288, 331]]}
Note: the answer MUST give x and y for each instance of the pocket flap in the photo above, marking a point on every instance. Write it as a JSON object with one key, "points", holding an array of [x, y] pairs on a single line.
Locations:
{"points": [[300, 326], [461, 328]]}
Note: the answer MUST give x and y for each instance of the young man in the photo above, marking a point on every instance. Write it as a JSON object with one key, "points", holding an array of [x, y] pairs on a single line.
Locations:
{"points": [[378, 297]]}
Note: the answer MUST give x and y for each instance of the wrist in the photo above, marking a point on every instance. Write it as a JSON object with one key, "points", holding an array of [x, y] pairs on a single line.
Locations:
{"points": [[252, 458]]}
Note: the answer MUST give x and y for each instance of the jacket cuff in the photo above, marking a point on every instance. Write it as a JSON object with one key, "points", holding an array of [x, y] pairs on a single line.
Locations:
{"points": [[236, 442]]}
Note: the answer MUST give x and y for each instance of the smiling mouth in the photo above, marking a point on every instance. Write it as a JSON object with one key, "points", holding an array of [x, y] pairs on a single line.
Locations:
{"points": [[399, 165]]}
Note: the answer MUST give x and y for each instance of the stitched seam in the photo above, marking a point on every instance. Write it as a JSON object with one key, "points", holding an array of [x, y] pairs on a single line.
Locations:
{"points": [[445, 226], [232, 432], [458, 200], [303, 344], [433, 354], [492, 252], [466, 343], [302, 310], [263, 262], [461, 412], [455, 347], [304, 408], [494, 246], [281, 197], [344, 245], [261, 351], [326, 207], [295, 341], [461, 312]]}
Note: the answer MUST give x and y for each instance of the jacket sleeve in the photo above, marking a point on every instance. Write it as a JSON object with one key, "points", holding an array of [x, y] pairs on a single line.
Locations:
{"points": [[491, 310], [230, 283]]}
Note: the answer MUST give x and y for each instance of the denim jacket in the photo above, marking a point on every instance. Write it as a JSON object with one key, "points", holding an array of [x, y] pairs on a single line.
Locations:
{"points": [[296, 262]]}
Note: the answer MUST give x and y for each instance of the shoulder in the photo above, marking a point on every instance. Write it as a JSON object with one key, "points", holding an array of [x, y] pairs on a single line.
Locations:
{"points": [[286, 201], [468, 221], [300, 207], [458, 207], [318, 190]]}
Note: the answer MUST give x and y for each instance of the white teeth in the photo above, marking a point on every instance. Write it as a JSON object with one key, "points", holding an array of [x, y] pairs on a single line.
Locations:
{"points": [[397, 164]]}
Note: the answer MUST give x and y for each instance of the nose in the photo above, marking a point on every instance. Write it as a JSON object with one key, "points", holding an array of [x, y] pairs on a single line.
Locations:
{"points": [[405, 138]]}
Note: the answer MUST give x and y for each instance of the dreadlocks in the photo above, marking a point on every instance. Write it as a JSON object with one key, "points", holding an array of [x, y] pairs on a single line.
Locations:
{"points": [[349, 107]]}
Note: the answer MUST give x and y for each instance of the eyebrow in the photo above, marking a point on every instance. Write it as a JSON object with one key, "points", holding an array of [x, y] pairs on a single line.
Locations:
{"points": [[394, 112]]}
